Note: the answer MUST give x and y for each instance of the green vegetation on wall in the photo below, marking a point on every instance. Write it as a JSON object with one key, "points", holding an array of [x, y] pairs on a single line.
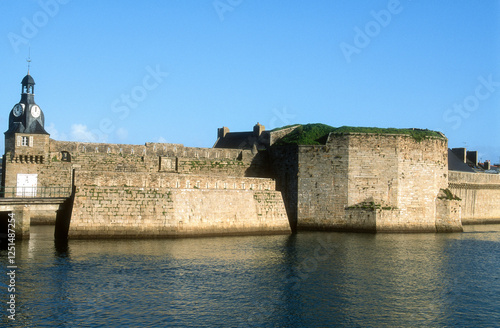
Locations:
{"points": [[317, 133], [448, 195]]}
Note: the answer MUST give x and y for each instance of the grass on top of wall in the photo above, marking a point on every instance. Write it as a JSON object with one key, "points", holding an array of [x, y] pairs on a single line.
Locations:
{"points": [[317, 133]]}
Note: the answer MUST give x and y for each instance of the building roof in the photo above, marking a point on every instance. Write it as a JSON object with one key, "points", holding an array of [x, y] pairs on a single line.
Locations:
{"points": [[455, 164], [236, 140], [18, 127], [15, 127], [36, 127], [27, 80]]}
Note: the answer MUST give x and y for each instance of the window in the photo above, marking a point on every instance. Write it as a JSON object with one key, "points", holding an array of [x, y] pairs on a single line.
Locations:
{"points": [[24, 141], [65, 156]]}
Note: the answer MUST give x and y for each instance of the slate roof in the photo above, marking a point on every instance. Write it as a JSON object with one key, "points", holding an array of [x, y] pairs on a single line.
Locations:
{"points": [[36, 127], [236, 140], [455, 164], [18, 127], [27, 80]]}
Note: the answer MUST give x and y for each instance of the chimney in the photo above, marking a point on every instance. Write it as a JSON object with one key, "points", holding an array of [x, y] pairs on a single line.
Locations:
{"points": [[258, 129], [487, 165], [472, 156], [461, 154], [221, 132]]}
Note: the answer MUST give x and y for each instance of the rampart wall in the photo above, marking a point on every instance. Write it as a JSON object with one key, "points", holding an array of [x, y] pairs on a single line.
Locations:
{"points": [[154, 157], [174, 181], [148, 149], [122, 205], [63, 157], [480, 194], [274, 136]]}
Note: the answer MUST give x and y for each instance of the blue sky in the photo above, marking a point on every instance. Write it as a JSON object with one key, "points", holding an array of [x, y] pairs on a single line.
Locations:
{"points": [[176, 70]]}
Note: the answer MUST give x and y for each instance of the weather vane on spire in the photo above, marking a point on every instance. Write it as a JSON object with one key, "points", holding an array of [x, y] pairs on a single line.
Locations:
{"points": [[29, 60]]}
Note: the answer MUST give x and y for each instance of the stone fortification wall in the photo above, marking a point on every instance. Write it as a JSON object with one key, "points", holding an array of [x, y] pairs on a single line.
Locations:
{"points": [[154, 157], [256, 167], [148, 149], [323, 185], [174, 181], [63, 157], [480, 194], [49, 175], [371, 172], [122, 205], [401, 175], [284, 163], [275, 136], [422, 174]]}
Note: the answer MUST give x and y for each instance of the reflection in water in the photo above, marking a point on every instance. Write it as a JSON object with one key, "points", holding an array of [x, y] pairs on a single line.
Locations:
{"points": [[304, 280]]}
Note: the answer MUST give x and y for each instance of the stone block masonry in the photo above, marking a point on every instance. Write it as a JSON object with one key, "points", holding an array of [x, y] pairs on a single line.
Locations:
{"points": [[479, 194], [124, 205], [367, 182], [362, 179], [61, 157], [352, 181]]}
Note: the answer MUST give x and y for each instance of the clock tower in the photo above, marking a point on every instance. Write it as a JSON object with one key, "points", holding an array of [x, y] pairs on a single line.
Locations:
{"points": [[26, 141], [26, 116]]}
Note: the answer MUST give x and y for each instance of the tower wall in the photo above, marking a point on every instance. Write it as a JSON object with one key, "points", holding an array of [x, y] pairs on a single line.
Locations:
{"points": [[343, 184]]}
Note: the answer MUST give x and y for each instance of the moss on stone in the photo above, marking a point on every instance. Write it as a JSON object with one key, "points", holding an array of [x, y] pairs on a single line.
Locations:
{"points": [[448, 195], [371, 206]]}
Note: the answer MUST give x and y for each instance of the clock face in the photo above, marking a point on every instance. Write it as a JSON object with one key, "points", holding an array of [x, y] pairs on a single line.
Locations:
{"points": [[35, 111], [18, 110]]}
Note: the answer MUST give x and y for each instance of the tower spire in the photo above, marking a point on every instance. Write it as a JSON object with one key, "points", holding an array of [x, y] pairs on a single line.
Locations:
{"points": [[29, 59]]}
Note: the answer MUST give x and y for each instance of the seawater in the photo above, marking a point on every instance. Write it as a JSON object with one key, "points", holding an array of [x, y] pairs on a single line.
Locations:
{"points": [[304, 280]]}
